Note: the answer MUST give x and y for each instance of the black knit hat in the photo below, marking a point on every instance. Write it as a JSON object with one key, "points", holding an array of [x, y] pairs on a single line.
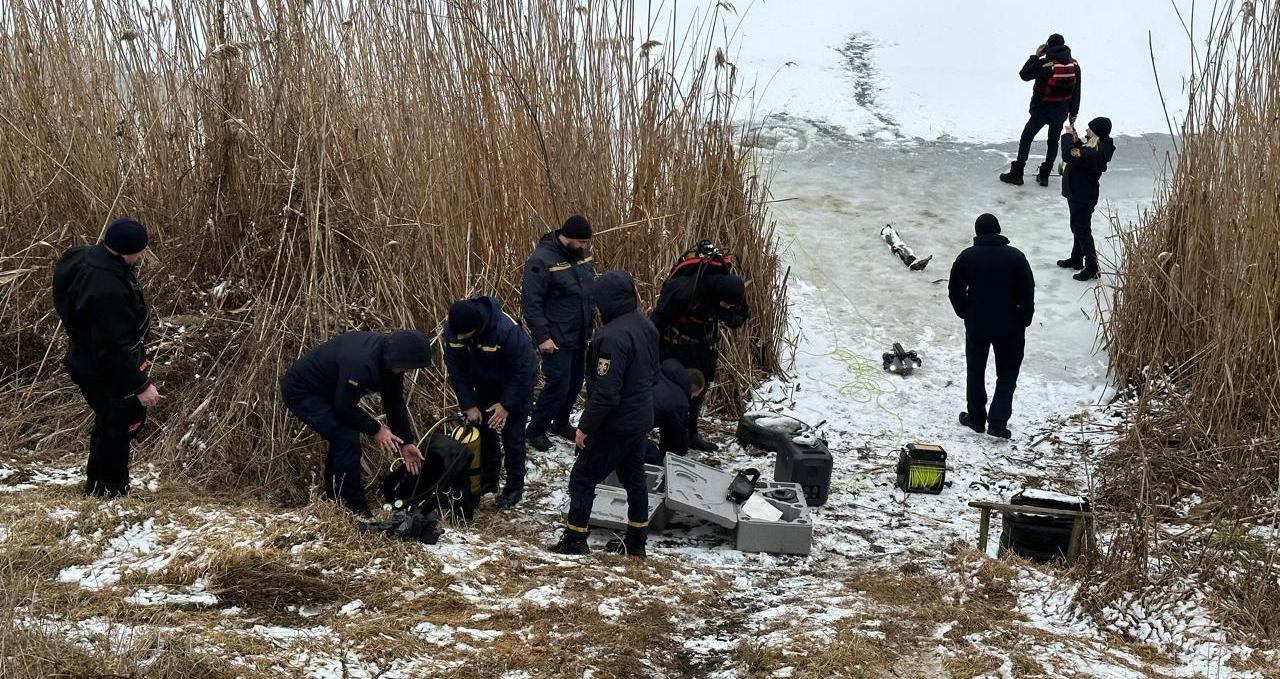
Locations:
{"points": [[1055, 40], [576, 227], [126, 236], [986, 225], [1101, 126], [465, 317]]}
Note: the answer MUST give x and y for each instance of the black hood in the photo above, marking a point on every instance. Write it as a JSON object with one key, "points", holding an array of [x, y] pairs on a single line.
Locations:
{"points": [[615, 294], [489, 312], [1059, 53], [991, 239], [406, 350], [675, 371]]}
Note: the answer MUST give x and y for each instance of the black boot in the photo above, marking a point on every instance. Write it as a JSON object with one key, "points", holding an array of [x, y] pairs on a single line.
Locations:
{"points": [[571, 543], [107, 491], [565, 431], [1014, 175], [971, 423], [632, 545], [538, 439], [511, 496], [1076, 263], [1000, 432], [703, 445], [1090, 270], [1042, 177]]}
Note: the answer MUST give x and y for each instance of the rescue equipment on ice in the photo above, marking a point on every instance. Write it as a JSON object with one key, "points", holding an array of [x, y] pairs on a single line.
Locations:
{"points": [[922, 468], [899, 361], [704, 258], [802, 453], [899, 248]]}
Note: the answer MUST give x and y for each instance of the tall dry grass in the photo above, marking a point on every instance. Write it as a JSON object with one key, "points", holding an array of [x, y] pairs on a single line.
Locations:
{"points": [[308, 168], [1194, 328]]}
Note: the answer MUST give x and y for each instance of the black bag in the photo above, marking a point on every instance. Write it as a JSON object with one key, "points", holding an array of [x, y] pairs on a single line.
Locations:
{"points": [[443, 483]]}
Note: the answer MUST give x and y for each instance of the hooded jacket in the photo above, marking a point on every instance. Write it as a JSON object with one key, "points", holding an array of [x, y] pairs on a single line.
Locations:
{"points": [[688, 311], [1083, 168], [1040, 68], [555, 294], [97, 296], [671, 406], [623, 364], [494, 365], [347, 367], [992, 288]]}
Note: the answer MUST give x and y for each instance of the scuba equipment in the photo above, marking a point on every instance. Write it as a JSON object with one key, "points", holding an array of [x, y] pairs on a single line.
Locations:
{"points": [[450, 470], [922, 468], [900, 361], [703, 258], [743, 485]]}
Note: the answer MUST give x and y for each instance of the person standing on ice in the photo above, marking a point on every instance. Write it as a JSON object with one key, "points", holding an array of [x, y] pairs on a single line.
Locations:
{"points": [[1085, 161], [556, 301], [105, 315], [688, 315], [992, 289], [492, 369], [323, 389], [617, 418], [1055, 98]]}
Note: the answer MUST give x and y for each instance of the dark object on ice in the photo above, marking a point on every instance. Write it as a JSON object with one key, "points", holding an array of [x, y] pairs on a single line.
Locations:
{"points": [[899, 361], [899, 248], [1076, 263], [413, 523], [802, 455], [969, 422], [1043, 539], [743, 485], [922, 468]]}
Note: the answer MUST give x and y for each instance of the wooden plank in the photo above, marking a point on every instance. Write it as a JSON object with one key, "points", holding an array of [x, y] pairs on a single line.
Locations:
{"points": [[983, 528], [1027, 509], [1073, 547]]}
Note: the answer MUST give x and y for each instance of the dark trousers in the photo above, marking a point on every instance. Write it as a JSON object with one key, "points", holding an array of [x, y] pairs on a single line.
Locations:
{"points": [[116, 422], [1043, 116], [343, 478], [562, 376], [503, 450], [698, 357], [604, 454], [1082, 232], [1008, 351]]}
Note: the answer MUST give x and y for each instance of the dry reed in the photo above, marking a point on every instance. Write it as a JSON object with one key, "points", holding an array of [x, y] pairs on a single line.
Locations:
{"points": [[308, 168], [1193, 332]]}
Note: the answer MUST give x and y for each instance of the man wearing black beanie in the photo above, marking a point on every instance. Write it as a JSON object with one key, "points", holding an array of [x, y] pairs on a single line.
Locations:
{"points": [[492, 369], [993, 290], [105, 316], [1055, 98], [556, 301]]}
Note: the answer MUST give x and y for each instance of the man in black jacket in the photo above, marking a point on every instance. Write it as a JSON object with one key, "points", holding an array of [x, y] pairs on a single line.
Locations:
{"points": [[1085, 161], [688, 315], [105, 315], [992, 289], [617, 417], [323, 389], [492, 368], [676, 386], [555, 299], [1055, 98]]}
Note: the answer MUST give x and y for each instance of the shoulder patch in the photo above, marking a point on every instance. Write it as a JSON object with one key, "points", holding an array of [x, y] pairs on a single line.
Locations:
{"points": [[602, 365], [1075, 153]]}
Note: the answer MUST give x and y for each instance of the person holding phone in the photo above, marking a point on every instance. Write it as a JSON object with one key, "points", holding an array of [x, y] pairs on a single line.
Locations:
{"points": [[1055, 99], [1085, 160]]}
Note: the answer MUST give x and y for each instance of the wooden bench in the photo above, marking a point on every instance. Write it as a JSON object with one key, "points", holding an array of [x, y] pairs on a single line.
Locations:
{"points": [[1081, 527]]}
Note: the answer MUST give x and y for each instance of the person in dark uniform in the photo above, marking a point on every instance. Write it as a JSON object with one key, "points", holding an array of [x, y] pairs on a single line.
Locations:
{"points": [[492, 369], [105, 315], [1085, 161], [617, 418], [555, 300], [688, 316], [676, 386], [992, 289], [1055, 98], [323, 389]]}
